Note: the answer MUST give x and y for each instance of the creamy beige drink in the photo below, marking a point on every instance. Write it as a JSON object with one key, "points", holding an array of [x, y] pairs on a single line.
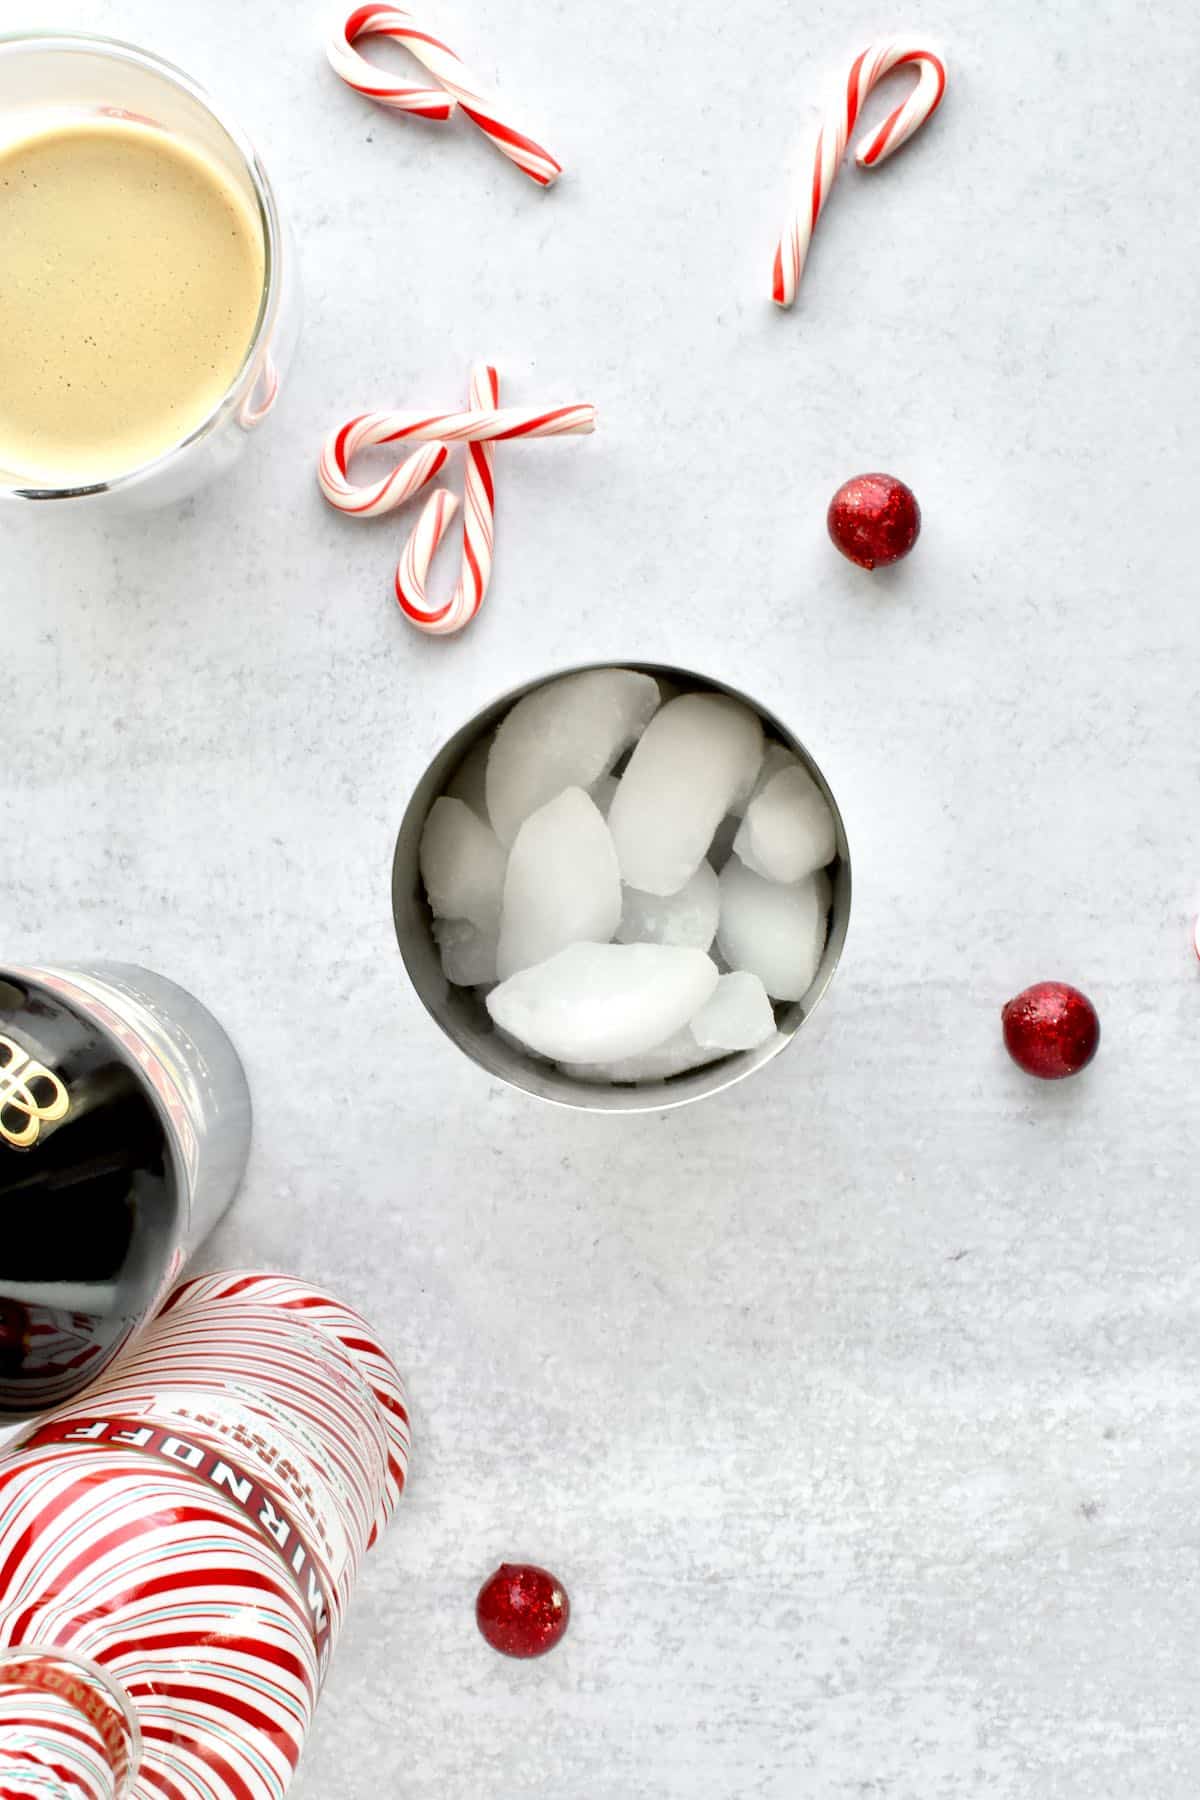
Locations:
{"points": [[131, 274]]}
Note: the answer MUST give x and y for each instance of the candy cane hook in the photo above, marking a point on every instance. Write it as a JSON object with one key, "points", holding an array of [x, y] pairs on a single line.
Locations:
{"points": [[448, 70], [480, 427], [479, 497], [834, 134], [369, 500]]}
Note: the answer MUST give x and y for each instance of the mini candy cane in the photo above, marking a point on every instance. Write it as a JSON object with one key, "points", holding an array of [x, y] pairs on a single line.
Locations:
{"points": [[474, 426], [447, 70], [430, 429], [358, 73], [834, 134], [478, 531], [376, 497], [483, 424]]}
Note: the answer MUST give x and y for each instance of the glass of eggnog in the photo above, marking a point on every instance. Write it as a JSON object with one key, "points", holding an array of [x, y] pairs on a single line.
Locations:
{"points": [[147, 294]]}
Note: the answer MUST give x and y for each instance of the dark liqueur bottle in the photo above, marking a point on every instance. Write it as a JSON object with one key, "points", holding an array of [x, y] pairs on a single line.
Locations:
{"points": [[124, 1129]]}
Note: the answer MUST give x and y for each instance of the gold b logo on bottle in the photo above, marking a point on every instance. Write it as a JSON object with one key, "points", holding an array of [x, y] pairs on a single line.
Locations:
{"points": [[31, 1095]]}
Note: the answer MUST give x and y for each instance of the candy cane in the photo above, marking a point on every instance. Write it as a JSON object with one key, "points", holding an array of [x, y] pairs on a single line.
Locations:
{"points": [[474, 426], [376, 497], [480, 425], [364, 78], [478, 532], [834, 134], [447, 70], [483, 424]]}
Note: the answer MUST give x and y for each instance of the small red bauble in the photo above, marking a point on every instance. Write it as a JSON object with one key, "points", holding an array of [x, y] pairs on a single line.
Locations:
{"points": [[874, 520], [1051, 1030], [522, 1610]]}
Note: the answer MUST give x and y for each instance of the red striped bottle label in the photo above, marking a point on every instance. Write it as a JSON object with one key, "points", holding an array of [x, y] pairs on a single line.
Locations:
{"points": [[260, 1508], [44, 1672]]}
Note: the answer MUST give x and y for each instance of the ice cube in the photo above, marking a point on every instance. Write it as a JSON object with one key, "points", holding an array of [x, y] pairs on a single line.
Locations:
{"points": [[462, 864], [736, 1016], [468, 954], [562, 886], [688, 917], [603, 791], [468, 781], [514, 1043], [775, 758], [788, 831], [774, 931], [739, 800], [566, 734], [679, 1053], [695, 756], [602, 1002]]}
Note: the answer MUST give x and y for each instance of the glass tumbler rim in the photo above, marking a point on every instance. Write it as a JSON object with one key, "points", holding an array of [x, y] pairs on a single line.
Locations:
{"points": [[121, 51]]}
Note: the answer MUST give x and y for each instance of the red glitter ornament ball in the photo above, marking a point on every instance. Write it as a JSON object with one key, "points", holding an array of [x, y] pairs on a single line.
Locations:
{"points": [[1051, 1030], [522, 1610], [874, 520]]}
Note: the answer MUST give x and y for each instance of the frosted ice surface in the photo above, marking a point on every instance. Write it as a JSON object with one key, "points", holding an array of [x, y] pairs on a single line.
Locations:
{"points": [[774, 931], [736, 1016], [514, 1043], [688, 917], [679, 1053], [562, 886], [566, 734], [696, 755], [468, 954], [602, 1002], [468, 781], [462, 864], [788, 831], [775, 758]]}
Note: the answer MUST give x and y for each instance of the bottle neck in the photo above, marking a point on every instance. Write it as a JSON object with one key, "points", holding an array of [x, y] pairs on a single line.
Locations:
{"points": [[67, 1731]]}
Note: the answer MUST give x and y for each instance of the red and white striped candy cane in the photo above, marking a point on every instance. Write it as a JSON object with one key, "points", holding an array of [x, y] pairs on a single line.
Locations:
{"points": [[369, 500], [179, 1544], [447, 69], [483, 424], [479, 502], [834, 134], [476, 425], [376, 84]]}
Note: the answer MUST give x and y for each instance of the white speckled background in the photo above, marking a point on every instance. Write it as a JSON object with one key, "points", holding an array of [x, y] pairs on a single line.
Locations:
{"points": [[857, 1409]]}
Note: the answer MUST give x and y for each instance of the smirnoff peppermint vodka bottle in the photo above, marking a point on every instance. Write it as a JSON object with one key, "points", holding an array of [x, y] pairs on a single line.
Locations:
{"points": [[179, 1544]]}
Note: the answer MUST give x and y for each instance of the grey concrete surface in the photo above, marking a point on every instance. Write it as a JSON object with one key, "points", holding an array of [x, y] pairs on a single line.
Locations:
{"points": [[856, 1409]]}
